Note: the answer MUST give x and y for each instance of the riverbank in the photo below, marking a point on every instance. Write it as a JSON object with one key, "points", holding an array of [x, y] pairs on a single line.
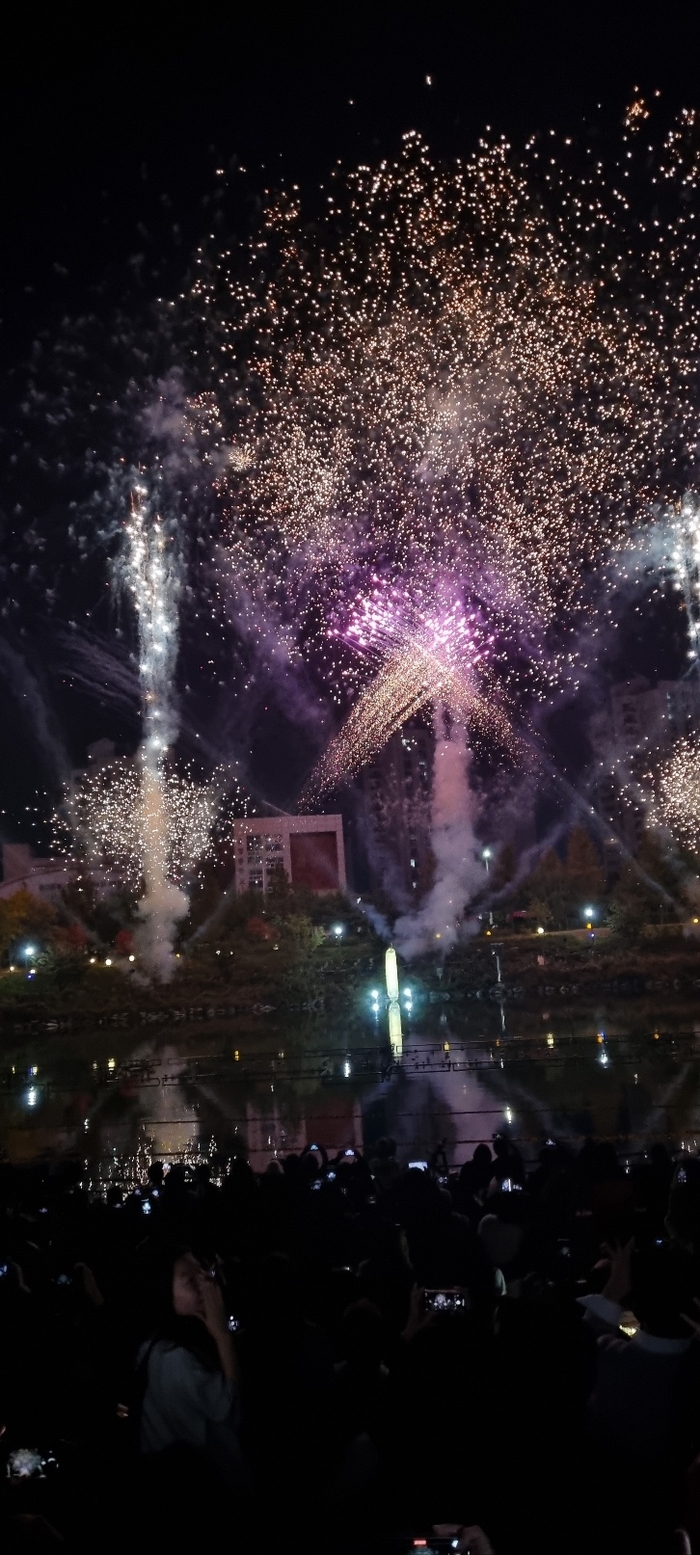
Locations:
{"points": [[255, 979]]}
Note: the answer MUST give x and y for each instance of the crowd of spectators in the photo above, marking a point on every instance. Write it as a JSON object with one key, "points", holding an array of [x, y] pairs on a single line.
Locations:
{"points": [[344, 1355]]}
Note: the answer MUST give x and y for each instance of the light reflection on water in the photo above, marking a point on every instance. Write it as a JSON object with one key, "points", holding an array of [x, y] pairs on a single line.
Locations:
{"points": [[419, 1072]]}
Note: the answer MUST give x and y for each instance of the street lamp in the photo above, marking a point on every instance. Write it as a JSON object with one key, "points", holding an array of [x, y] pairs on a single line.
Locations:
{"points": [[28, 952], [486, 854]]}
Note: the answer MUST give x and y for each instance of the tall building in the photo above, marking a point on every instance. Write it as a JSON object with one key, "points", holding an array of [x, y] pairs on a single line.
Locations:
{"points": [[638, 724], [395, 791], [309, 848]]}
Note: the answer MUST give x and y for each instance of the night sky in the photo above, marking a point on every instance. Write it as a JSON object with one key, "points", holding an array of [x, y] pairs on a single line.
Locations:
{"points": [[112, 127]]}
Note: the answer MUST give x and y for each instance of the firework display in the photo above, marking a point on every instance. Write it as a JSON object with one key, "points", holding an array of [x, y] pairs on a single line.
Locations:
{"points": [[676, 802], [404, 442], [424, 658], [478, 372], [108, 822]]}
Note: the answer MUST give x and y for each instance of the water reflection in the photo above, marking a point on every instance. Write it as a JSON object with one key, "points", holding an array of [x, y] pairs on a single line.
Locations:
{"points": [[395, 1032], [423, 1072]]}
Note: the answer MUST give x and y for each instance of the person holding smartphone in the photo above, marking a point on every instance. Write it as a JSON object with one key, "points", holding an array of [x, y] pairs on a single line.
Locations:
{"points": [[191, 1396]]}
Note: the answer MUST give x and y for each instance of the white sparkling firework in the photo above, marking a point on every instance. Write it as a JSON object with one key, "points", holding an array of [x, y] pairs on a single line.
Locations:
{"points": [[685, 563], [677, 800], [109, 824], [152, 571]]}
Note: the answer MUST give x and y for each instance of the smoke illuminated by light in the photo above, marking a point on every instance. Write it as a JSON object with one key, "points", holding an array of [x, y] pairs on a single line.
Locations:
{"points": [[109, 824], [152, 567]]}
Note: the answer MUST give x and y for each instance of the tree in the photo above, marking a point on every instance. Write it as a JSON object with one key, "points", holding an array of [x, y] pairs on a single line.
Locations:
{"points": [[259, 929], [279, 897], [585, 879], [540, 912], [547, 887], [23, 914], [633, 903], [504, 869]]}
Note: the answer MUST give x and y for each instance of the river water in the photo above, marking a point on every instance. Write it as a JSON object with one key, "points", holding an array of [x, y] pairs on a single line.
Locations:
{"points": [[268, 1083]]}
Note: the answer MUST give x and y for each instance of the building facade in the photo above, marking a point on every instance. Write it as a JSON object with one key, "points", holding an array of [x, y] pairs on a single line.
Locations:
{"points": [[309, 848], [638, 724], [395, 794], [47, 878]]}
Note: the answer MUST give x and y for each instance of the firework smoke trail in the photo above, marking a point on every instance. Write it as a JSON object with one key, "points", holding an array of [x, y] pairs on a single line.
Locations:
{"points": [[152, 572], [458, 872]]}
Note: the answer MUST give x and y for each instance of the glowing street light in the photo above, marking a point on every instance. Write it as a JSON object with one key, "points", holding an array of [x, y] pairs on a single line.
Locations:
{"points": [[28, 952], [339, 930]]}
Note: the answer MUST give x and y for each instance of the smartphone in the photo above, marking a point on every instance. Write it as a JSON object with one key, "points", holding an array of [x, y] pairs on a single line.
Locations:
{"points": [[446, 1301], [316, 1183], [681, 1175], [4, 1269], [509, 1186], [349, 1152], [417, 1166], [330, 1176], [233, 1325], [27, 1463], [64, 1280], [146, 1207]]}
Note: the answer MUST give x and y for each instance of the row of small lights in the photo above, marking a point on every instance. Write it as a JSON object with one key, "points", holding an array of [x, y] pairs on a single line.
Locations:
{"points": [[30, 951]]}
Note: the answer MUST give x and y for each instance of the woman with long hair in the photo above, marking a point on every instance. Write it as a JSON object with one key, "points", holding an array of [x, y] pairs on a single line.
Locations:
{"points": [[190, 1397]]}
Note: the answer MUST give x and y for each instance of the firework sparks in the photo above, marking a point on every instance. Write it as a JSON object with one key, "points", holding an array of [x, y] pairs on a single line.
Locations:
{"points": [[685, 562], [428, 655], [483, 372], [111, 827], [676, 804], [153, 577], [471, 371]]}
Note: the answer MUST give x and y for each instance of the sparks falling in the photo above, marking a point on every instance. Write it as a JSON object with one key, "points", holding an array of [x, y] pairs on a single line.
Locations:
{"points": [[685, 563], [425, 654], [153, 577], [480, 371], [103, 821], [676, 802]]}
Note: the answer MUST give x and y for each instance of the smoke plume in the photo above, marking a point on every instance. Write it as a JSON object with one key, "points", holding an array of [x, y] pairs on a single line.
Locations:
{"points": [[458, 872]]}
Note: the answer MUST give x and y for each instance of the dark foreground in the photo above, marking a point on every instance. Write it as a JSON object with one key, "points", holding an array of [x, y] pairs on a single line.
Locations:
{"points": [[345, 1408]]}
